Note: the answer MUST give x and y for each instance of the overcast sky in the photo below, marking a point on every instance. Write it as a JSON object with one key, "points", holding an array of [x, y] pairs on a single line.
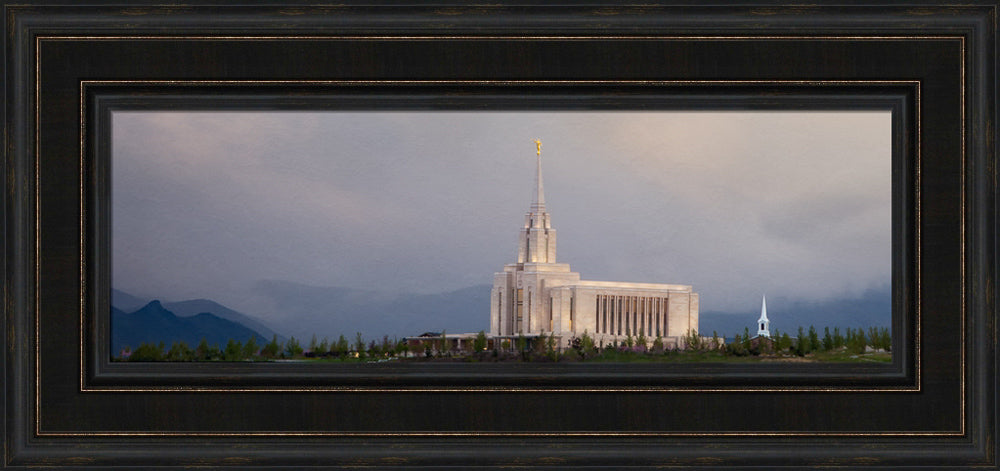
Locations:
{"points": [[735, 203]]}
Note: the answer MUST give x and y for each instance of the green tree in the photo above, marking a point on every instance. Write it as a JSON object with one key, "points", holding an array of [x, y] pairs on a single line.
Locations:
{"points": [[359, 344], [838, 338], [658, 346], [180, 351], [479, 344], [272, 349], [885, 339], [522, 346], [550, 346], [205, 352], [250, 348], [342, 347], [737, 348], [786, 342], [641, 341], [856, 343], [401, 347], [148, 352], [233, 351], [538, 344], [827, 339], [692, 341], [814, 343], [586, 345], [324, 347], [313, 344], [374, 349], [292, 348], [388, 346]]}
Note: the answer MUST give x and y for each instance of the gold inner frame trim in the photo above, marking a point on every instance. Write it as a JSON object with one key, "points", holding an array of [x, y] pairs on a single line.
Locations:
{"points": [[363, 83]]}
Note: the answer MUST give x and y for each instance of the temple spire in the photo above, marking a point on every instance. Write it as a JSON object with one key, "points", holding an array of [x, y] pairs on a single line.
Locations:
{"points": [[538, 205], [538, 238]]}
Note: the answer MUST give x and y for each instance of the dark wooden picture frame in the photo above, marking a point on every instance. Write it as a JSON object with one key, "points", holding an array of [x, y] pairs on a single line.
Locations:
{"points": [[68, 67]]}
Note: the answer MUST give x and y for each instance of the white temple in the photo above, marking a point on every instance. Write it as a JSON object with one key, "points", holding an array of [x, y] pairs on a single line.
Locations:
{"points": [[538, 296]]}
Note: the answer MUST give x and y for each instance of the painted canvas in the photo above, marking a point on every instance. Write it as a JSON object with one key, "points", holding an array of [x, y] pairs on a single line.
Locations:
{"points": [[396, 236]]}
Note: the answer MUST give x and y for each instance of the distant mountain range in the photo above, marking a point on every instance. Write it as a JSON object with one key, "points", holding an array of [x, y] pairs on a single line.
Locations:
{"points": [[871, 308], [303, 311], [153, 323], [128, 303], [332, 311]]}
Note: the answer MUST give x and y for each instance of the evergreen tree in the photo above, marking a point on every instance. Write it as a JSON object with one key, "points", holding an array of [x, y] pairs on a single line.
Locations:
{"points": [[250, 348], [801, 343], [786, 342], [737, 348], [814, 343], [180, 351], [292, 348], [233, 350], [658, 346], [374, 349], [201, 351], [857, 341], [479, 344], [359, 344], [550, 346], [586, 345], [272, 349], [313, 344], [148, 352], [388, 346], [827, 340], [641, 340], [342, 347]]}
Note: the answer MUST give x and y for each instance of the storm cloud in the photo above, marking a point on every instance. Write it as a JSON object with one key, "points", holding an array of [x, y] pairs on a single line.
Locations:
{"points": [[738, 204]]}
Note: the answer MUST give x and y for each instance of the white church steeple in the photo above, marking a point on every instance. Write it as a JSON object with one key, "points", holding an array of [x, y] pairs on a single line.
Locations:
{"points": [[537, 242], [763, 325]]}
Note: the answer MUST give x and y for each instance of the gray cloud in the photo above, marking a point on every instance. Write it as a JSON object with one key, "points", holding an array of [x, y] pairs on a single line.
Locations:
{"points": [[737, 203]]}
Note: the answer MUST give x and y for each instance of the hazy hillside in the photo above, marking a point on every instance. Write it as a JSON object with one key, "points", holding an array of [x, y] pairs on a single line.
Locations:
{"points": [[127, 302], [198, 306], [153, 324], [303, 311], [332, 311], [871, 308]]}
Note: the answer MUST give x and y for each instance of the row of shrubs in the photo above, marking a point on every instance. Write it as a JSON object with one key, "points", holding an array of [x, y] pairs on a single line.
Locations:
{"points": [[854, 341], [273, 350], [544, 347]]}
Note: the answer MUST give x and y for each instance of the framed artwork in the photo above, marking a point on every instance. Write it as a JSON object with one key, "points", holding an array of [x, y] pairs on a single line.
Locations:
{"points": [[168, 151]]}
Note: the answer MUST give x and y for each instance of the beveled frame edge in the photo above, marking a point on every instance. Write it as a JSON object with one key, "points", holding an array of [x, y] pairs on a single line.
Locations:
{"points": [[906, 322], [981, 291]]}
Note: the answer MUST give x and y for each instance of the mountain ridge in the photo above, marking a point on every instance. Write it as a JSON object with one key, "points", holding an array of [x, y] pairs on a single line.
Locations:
{"points": [[154, 324]]}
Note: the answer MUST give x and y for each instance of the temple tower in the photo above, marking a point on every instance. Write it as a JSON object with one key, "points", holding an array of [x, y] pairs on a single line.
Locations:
{"points": [[537, 243]]}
